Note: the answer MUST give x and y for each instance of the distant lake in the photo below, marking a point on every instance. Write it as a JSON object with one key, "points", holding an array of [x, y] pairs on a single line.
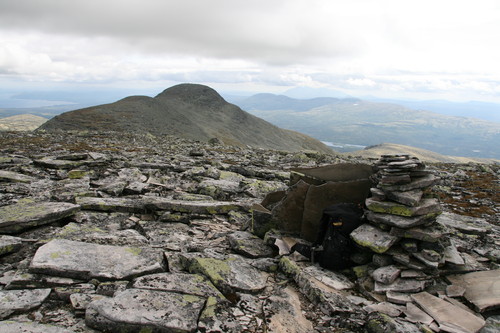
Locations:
{"points": [[343, 147]]}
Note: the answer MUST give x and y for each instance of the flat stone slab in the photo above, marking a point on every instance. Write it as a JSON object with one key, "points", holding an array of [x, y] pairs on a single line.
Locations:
{"points": [[398, 221], [386, 274], [9, 244], [185, 283], [15, 218], [465, 224], [15, 301], [332, 279], [138, 205], [426, 206], [194, 207], [409, 198], [230, 275], [54, 163], [111, 204], [450, 318], [418, 183], [426, 234], [321, 289], [140, 310], [15, 177], [373, 238], [400, 285], [31, 327], [481, 288], [249, 245], [80, 260]]}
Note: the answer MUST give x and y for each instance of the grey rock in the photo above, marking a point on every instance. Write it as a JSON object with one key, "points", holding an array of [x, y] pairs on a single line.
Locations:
{"points": [[415, 315], [386, 275], [134, 310], [194, 207], [287, 314], [31, 327], [64, 293], [24, 279], [184, 283], [249, 245], [409, 198], [384, 307], [229, 275], [329, 278], [94, 234], [429, 234], [15, 177], [110, 288], [400, 285], [80, 301], [425, 260], [381, 323], [418, 183], [169, 236], [111, 204], [57, 163], [15, 301], [85, 261], [27, 214], [398, 297], [452, 255], [373, 238], [398, 221], [425, 207], [449, 317], [9, 244], [330, 300], [465, 224]]}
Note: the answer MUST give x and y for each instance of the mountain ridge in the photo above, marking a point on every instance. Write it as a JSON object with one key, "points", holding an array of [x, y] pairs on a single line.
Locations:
{"points": [[190, 111], [368, 123]]}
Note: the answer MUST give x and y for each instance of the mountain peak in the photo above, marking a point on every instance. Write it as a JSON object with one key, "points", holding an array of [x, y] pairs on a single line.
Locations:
{"points": [[197, 94]]}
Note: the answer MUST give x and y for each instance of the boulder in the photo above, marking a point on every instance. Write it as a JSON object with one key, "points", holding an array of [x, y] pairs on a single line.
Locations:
{"points": [[371, 237], [81, 260], [184, 283], [135, 310], [27, 214], [9, 244], [16, 301], [426, 206], [450, 318], [9, 176], [249, 245], [481, 288], [230, 275]]}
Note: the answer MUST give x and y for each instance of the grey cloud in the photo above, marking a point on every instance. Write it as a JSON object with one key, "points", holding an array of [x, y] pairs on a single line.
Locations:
{"points": [[274, 32]]}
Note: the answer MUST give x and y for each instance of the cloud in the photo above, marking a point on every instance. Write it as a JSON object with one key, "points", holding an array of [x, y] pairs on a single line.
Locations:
{"points": [[278, 32], [355, 45]]}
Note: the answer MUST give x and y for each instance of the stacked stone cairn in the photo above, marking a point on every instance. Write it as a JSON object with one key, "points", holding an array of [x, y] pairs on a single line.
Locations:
{"points": [[401, 230]]}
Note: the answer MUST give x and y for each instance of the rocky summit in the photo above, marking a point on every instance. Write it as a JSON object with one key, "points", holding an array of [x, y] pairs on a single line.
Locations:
{"points": [[190, 111], [131, 232]]}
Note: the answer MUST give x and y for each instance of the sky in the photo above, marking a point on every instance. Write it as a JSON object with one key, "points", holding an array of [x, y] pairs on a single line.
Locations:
{"points": [[403, 49]]}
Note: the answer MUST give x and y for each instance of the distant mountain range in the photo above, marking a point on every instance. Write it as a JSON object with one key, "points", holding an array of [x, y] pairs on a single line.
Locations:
{"points": [[359, 122], [188, 111]]}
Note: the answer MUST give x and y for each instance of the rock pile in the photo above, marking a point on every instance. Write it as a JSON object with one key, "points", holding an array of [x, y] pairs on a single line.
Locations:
{"points": [[401, 220], [411, 248], [117, 232]]}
